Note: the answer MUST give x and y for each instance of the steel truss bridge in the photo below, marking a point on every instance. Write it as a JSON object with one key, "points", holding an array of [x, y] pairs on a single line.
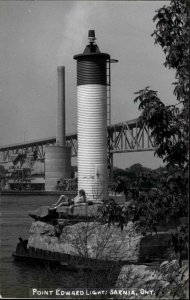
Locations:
{"points": [[129, 136]]}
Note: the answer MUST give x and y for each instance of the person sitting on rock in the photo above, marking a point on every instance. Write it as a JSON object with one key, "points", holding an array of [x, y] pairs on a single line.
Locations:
{"points": [[80, 198], [65, 201], [62, 201]]}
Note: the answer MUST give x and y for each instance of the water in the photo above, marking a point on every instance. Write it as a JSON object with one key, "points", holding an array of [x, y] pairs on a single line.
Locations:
{"points": [[17, 277]]}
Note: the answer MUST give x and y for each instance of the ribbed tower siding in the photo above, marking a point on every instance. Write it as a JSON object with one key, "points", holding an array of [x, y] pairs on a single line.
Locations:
{"points": [[58, 157], [92, 123]]}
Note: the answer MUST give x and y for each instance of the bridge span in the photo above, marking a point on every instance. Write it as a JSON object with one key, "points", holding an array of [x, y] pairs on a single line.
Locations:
{"points": [[128, 136]]}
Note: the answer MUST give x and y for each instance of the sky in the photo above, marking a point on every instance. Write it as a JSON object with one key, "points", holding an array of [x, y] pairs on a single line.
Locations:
{"points": [[38, 36]]}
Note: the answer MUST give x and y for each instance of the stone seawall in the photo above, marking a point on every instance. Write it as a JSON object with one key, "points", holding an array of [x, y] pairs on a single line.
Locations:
{"points": [[92, 239], [99, 241]]}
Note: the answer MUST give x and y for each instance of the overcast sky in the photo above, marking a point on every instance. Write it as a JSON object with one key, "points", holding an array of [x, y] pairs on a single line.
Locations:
{"points": [[38, 36]]}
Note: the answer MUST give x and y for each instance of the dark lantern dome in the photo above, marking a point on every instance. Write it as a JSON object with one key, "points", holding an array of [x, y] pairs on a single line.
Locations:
{"points": [[92, 48]]}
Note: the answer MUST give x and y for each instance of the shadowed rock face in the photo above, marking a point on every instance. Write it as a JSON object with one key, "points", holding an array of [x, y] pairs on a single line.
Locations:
{"points": [[43, 214]]}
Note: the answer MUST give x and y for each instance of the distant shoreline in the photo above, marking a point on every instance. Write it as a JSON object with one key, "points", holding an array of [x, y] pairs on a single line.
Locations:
{"points": [[11, 192]]}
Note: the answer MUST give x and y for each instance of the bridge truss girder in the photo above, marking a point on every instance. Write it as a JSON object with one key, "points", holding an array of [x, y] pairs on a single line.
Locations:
{"points": [[130, 136]]}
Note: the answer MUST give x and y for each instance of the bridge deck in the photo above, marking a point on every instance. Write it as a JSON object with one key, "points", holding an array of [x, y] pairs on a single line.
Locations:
{"points": [[129, 136]]}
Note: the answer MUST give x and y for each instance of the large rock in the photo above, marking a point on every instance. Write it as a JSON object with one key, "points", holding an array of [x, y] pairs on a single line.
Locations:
{"points": [[44, 214], [90, 239], [141, 280], [99, 241], [154, 283], [80, 209]]}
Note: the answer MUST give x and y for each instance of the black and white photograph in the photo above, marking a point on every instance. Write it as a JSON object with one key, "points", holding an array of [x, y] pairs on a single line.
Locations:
{"points": [[94, 149]]}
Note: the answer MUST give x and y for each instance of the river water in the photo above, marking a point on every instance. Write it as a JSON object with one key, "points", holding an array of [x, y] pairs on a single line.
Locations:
{"points": [[17, 278]]}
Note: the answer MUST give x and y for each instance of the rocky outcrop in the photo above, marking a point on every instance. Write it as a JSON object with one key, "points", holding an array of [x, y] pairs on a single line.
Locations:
{"points": [[44, 214], [147, 282], [91, 239], [80, 210], [98, 241]]}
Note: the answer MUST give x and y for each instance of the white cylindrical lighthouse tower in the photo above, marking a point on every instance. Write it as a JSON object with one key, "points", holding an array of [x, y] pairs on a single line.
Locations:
{"points": [[92, 120]]}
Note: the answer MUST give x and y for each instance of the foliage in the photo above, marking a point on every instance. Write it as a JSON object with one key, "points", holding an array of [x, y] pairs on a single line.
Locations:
{"points": [[94, 240], [113, 213], [138, 168], [175, 281], [136, 176], [172, 34], [169, 122], [170, 281], [2, 171], [169, 125]]}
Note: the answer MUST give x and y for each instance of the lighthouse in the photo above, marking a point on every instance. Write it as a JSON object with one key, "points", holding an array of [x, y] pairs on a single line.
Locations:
{"points": [[92, 120]]}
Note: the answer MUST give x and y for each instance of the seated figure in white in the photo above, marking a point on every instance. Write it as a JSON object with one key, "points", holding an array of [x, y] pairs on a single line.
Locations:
{"points": [[65, 201]]}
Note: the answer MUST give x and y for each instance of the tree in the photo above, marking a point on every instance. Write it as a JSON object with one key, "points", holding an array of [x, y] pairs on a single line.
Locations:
{"points": [[2, 171], [169, 127], [170, 124], [172, 33]]}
